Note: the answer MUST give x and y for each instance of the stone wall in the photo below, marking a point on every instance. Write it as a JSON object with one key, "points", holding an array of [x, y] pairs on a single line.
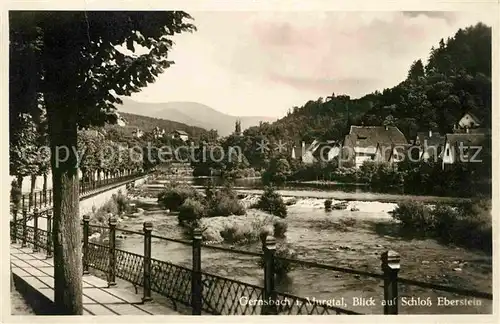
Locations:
{"points": [[100, 199]]}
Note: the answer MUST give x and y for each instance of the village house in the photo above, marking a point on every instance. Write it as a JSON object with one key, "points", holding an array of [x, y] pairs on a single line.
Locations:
{"points": [[468, 120], [327, 151], [391, 153], [361, 144], [138, 133], [305, 153], [427, 146], [462, 147], [180, 134], [158, 132], [317, 151], [121, 121]]}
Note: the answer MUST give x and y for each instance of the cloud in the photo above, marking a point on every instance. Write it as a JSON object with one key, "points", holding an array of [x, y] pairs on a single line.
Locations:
{"points": [[320, 47], [263, 63], [446, 15]]}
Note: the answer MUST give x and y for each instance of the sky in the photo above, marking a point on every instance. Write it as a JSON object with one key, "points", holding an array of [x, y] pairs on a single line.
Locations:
{"points": [[264, 63]]}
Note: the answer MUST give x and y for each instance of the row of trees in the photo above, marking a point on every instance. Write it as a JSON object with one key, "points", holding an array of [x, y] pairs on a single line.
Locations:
{"points": [[98, 154], [30, 154], [74, 61]]}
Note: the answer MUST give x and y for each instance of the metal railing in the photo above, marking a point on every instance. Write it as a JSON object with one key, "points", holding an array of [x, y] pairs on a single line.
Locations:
{"points": [[207, 293], [43, 199]]}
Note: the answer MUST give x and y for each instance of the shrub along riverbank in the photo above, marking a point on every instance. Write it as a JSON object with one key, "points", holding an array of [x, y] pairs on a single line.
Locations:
{"points": [[468, 224], [117, 206], [193, 206], [223, 217]]}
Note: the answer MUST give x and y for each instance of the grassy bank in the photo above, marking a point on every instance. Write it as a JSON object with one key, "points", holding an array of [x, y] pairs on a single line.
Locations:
{"points": [[468, 224]]}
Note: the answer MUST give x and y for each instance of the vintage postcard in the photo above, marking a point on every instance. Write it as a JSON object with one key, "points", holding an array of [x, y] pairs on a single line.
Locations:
{"points": [[250, 161]]}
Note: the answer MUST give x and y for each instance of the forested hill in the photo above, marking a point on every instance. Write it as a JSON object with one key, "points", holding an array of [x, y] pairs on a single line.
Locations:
{"points": [[456, 79], [147, 124]]}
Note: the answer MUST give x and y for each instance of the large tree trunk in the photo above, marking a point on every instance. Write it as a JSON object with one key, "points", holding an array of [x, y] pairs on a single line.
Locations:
{"points": [[60, 62], [67, 234]]}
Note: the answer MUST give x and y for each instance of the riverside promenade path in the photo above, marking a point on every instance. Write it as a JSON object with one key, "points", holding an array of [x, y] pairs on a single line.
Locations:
{"points": [[33, 273], [34, 276]]}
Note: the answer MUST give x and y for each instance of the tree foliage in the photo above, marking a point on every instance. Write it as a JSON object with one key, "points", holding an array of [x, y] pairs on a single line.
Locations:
{"points": [[23, 150], [81, 61]]}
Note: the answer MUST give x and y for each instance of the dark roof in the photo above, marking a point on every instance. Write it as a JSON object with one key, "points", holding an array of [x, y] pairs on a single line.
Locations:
{"points": [[473, 116], [371, 136], [479, 131], [467, 139], [181, 132], [436, 139]]}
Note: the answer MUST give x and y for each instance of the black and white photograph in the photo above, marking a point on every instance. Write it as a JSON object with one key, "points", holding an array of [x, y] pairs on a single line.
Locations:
{"points": [[250, 162]]}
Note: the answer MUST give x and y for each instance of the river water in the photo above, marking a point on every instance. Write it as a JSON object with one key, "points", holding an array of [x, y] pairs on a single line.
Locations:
{"points": [[324, 237]]}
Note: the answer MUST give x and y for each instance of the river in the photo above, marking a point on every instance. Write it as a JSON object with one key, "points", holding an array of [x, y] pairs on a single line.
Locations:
{"points": [[317, 236]]}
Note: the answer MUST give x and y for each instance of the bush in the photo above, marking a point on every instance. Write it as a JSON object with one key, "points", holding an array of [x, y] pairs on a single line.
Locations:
{"points": [[190, 212], [225, 206], [280, 227], [272, 202], [471, 225], [445, 217], [282, 267], [468, 224], [121, 201], [223, 202], [174, 196], [239, 234], [414, 215], [328, 204]]}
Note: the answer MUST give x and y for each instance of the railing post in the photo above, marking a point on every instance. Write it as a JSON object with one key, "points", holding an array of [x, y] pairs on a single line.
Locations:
{"points": [[25, 228], [269, 249], [146, 277], [30, 201], [35, 229], [34, 199], [49, 233], [85, 261], [196, 288], [13, 237], [45, 197], [390, 267], [112, 252]]}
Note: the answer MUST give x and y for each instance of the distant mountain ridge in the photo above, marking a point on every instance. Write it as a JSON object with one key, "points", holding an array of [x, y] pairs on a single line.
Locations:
{"points": [[191, 113]]}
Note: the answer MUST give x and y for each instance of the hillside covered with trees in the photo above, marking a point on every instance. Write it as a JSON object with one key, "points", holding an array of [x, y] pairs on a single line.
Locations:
{"points": [[455, 79], [147, 124]]}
